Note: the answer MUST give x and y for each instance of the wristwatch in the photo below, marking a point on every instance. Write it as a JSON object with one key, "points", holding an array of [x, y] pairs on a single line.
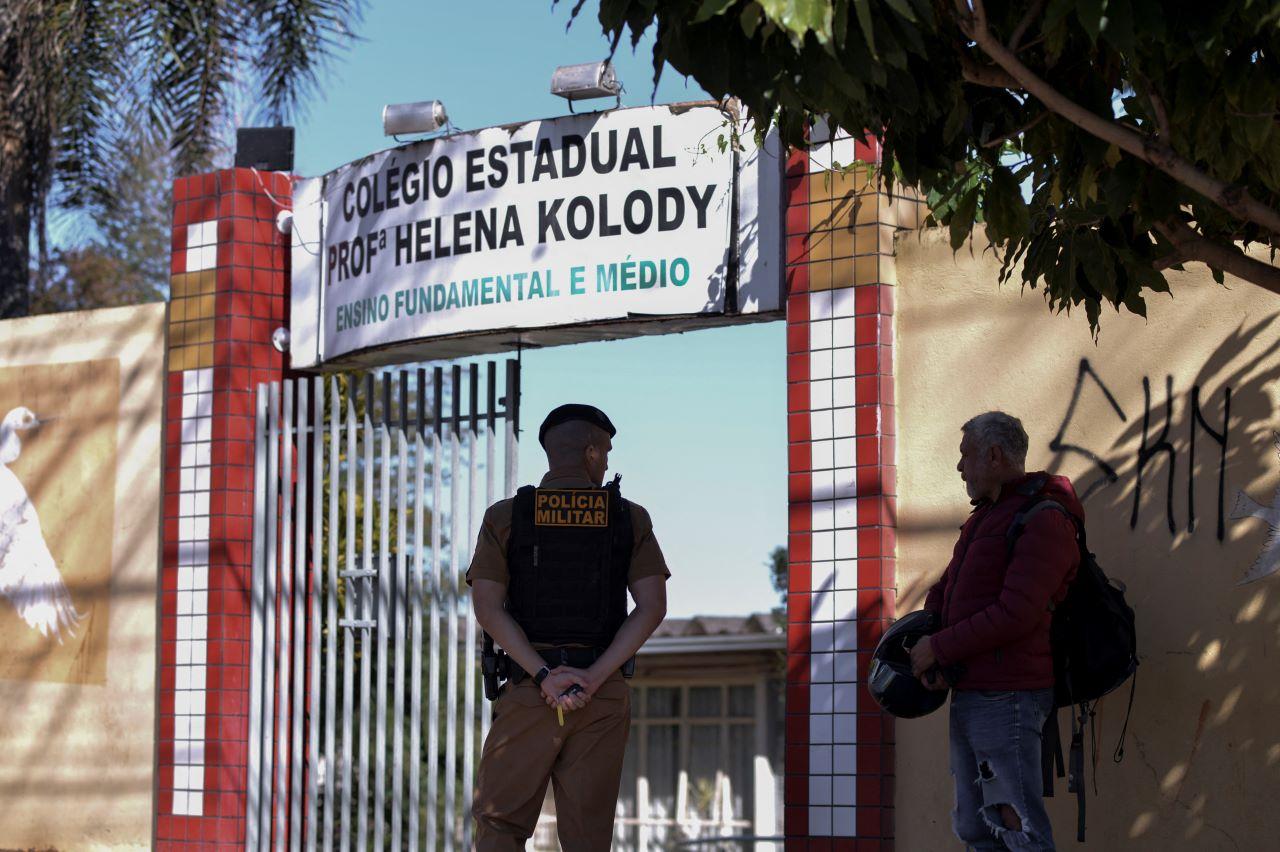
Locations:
{"points": [[541, 676]]}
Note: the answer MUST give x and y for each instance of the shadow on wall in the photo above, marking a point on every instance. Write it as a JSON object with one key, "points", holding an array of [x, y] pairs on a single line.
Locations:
{"points": [[1178, 466]]}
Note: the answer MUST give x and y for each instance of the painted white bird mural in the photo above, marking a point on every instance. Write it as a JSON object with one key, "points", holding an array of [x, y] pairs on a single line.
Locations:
{"points": [[1268, 561], [29, 578]]}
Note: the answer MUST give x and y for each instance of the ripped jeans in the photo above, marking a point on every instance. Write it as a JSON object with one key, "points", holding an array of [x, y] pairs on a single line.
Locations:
{"points": [[995, 763]]}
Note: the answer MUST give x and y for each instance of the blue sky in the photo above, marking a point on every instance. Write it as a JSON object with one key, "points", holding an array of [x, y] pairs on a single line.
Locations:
{"points": [[701, 416]]}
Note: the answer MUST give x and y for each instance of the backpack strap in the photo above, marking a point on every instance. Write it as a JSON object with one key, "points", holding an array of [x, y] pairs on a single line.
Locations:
{"points": [[1075, 780], [1034, 507], [1050, 753]]}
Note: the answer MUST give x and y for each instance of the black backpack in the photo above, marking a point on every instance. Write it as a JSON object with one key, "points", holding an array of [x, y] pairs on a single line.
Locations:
{"points": [[1095, 650]]}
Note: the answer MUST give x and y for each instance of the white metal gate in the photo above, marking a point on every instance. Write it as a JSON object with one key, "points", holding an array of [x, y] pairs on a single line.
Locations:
{"points": [[366, 706]]}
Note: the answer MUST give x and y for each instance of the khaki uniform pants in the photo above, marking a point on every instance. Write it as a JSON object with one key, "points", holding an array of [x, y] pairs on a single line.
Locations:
{"points": [[526, 748]]}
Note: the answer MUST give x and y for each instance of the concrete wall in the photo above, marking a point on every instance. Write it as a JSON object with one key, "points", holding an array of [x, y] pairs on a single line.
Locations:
{"points": [[1204, 742], [77, 728]]}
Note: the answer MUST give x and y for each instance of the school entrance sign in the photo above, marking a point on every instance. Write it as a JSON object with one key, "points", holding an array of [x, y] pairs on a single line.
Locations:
{"points": [[570, 229]]}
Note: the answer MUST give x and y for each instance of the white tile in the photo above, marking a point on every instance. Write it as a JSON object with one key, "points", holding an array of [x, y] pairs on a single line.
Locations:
{"points": [[182, 729], [189, 431], [823, 546], [199, 577], [184, 627], [197, 752], [843, 728], [846, 606], [199, 627], [820, 334], [187, 454], [819, 790], [181, 774], [820, 305], [822, 668], [197, 728], [843, 152], [819, 759], [820, 394], [822, 454], [195, 802], [182, 679], [842, 302], [819, 135], [204, 399], [200, 528], [844, 424], [819, 728], [182, 752], [845, 482], [200, 602], [204, 375], [843, 332], [842, 393], [184, 603], [202, 478], [820, 821], [843, 362], [186, 504], [845, 697], [204, 428], [822, 606], [180, 802], [846, 544], [846, 574], [823, 484], [844, 452], [822, 574], [820, 364], [822, 516], [184, 653], [844, 759], [845, 512], [843, 822], [190, 386], [821, 700], [199, 650], [846, 635], [208, 257], [820, 425], [187, 479], [822, 637], [197, 677]]}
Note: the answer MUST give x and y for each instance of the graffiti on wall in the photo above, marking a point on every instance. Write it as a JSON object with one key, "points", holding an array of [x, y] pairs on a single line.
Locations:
{"points": [[57, 510], [1268, 561], [1204, 420]]}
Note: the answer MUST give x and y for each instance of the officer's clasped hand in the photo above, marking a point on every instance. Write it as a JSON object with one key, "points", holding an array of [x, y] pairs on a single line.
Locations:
{"points": [[565, 688]]}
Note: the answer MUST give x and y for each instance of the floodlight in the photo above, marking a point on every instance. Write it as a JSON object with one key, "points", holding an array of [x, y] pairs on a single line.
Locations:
{"points": [[418, 117], [585, 81]]}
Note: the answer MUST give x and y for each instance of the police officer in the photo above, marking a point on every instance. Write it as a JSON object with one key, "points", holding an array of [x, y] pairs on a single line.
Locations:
{"points": [[549, 580]]}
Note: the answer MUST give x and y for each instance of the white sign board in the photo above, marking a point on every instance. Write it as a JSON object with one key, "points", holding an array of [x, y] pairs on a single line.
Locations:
{"points": [[579, 220]]}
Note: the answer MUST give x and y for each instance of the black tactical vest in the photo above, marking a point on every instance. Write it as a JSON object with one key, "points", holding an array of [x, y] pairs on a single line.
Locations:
{"points": [[569, 555]]}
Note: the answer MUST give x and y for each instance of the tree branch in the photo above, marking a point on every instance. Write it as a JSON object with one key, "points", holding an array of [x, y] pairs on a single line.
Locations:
{"points": [[985, 75], [1191, 246], [997, 142], [1015, 41], [1236, 200]]}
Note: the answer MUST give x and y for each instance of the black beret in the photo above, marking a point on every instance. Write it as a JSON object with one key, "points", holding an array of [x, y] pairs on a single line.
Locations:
{"points": [[575, 411]]}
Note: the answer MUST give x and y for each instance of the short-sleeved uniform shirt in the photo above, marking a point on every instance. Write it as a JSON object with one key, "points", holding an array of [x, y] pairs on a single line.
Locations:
{"points": [[490, 559]]}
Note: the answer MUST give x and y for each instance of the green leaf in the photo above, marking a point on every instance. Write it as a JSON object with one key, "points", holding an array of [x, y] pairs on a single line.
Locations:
{"points": [[962, 219], [863, 9], [904, 10], [800, 17], [749, 19], [1091, 15], [709, 9], [1112, 157]]}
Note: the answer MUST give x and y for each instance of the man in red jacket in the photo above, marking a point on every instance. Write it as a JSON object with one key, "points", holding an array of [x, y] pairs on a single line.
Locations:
{"points": [[993, 647]]}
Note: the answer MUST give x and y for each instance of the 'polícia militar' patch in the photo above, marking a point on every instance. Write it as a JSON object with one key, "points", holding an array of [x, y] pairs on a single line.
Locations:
{"points": [[571, 508]]}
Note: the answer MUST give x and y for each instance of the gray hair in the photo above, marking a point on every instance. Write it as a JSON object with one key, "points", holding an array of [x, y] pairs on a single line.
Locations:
{"points": [[997, 429]]}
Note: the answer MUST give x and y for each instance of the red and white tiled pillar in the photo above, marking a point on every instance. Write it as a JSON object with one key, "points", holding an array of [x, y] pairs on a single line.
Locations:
{"points": [[228, 293], [841, 496]]}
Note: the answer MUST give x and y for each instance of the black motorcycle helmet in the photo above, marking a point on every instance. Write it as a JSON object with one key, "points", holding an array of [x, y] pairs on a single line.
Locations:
{"points": [[892, 685]]}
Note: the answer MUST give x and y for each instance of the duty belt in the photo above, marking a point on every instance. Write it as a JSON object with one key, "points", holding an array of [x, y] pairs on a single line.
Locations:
{"points": [[578, 658]]}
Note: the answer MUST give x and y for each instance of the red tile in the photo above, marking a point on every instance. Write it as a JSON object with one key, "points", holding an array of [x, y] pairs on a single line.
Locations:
{"points": [[798, 367], [866, 330], [888, 299], [797, 337], [798, 428], [866, 300], [798, 610], [799, 516], [869, 573], [797, 162], [798, 396], [869, 542], [797, 733], [797, 279], [799, 638], [868, 818], [865, 360], [799, 576], [800, 548], [887, 391], [798, 257], [797, 190], [865, 419], [796, 757], [866, 390], [868, 451], [797, 221], [798, 308], [799, 458]]}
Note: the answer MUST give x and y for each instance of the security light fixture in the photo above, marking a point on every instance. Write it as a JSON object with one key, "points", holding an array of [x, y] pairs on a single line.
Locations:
{"points": [[418, 117], [586, 81], [268, 149]]}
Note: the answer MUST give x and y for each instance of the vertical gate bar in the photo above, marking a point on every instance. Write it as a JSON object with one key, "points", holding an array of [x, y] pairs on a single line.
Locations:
{"points": [[433, 671], [298, 710], [401, 600], [349, 611], [270, 644], [513, 425], [415, 618], [331, 617], [486, 709], [470, 681], [383, 617], [366, 637], [451, 602], [313, 598], [257, 647], [286, 621]]}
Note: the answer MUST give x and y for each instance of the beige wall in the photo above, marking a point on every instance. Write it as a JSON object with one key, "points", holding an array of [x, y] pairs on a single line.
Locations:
{"points": [[1203, 758], [77, 724]]}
